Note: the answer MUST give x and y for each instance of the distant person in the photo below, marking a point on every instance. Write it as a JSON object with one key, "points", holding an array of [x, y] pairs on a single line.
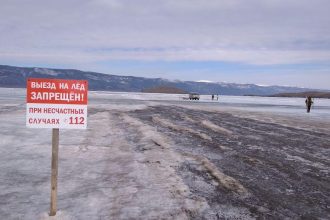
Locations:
{"points": [[309, 103], [212, 96], [217, 97]]}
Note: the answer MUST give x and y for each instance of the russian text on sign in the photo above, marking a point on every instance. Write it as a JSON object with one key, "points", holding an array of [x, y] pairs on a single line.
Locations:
{"points": [[57, 103]]}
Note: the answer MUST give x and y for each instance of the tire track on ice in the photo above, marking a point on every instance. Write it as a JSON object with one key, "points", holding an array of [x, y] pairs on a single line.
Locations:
{"points": [[273, 168], [179, 128]]}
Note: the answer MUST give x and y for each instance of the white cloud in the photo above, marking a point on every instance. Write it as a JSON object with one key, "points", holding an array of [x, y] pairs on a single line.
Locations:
{"points": [[257, 32], [256, 57]]}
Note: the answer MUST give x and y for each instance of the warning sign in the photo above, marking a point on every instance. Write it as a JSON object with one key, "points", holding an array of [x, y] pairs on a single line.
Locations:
{"points": [[56, 103]]}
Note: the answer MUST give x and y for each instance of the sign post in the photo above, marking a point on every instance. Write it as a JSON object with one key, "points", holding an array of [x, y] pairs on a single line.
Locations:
{"points": [[56, 103], [53, 194]]}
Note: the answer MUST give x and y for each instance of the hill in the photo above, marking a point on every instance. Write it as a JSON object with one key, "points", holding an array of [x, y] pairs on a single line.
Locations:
{"points": [[15, 77]]}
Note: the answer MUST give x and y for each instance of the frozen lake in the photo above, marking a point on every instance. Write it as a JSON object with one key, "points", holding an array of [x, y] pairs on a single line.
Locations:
{"points": [[285, 106], [158, 156], [291, 107]]}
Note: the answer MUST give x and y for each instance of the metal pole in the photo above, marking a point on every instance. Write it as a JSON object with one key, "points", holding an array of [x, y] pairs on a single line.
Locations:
{"points": [[53, 195]]}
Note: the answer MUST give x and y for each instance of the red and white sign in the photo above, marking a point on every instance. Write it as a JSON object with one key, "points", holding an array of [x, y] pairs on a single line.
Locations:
{"points": [[56, 103]]}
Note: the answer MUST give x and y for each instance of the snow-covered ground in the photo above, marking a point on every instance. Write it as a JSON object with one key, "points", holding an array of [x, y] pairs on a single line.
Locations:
{"points": [[159, 156]]}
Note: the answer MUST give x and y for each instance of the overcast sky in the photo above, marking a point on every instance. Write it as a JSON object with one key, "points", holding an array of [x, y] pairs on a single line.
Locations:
{"points": [[267, 42]]}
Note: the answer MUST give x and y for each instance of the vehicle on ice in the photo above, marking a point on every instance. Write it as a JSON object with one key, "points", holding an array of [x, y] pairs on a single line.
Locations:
{"points": [[193, 96]]}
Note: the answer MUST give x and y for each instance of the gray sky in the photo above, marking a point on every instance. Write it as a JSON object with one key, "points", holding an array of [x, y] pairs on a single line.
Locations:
{"points": [[245, 41]]}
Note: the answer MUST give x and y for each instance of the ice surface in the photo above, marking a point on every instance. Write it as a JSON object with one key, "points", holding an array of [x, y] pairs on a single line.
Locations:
{"points": [[160, 156]]}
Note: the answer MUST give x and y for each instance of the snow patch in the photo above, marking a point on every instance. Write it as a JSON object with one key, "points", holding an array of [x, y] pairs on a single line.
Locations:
{"points": [[224, 180], [46, 71], [179, 128], [205, 81], [214, 127]]}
